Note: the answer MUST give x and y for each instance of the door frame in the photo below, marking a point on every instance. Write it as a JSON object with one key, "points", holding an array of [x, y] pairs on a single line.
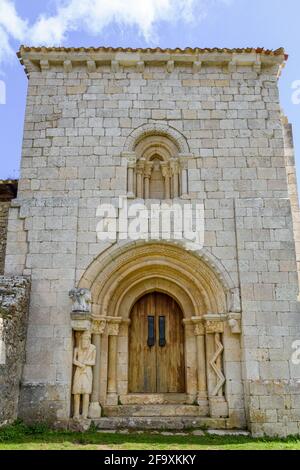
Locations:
{"points": [[154, 304], [190, 358]]}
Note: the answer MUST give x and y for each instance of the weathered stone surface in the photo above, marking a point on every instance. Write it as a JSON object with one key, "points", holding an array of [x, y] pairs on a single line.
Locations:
{"points": [[167, 423], [4, 208], [14, 302], [221, 142]]}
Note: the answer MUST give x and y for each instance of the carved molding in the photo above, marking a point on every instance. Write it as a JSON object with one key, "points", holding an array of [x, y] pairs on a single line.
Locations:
{"points": [[215, 364], [157, 128]]}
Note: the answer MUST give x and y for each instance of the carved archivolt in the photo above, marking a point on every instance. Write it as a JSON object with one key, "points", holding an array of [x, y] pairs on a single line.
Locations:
{"points": [[156, 128], [117, 275]]}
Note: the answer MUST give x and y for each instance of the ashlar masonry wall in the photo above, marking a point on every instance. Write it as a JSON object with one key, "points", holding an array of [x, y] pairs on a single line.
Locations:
{"points": [[82, 107]]}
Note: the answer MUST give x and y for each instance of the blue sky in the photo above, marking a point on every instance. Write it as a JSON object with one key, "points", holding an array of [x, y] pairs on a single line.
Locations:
{"points": [[140, 23]]}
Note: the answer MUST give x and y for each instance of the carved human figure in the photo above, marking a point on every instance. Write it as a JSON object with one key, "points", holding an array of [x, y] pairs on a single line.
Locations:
{"points": [[84, 358]]}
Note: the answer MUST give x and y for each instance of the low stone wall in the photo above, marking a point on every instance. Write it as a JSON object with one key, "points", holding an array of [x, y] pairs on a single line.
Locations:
{"points": [[14, 301], [4, 209]]}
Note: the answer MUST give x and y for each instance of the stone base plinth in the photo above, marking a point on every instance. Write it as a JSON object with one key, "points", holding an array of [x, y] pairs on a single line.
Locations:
{"points": [[94, 410], [218, 407]]}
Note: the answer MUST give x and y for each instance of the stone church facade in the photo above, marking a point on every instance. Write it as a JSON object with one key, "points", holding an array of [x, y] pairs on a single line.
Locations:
{"points": [[153, 333]]}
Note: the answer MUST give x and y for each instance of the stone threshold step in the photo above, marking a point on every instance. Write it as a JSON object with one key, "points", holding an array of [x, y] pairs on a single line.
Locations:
{"points": [[155, 411], [160, 423]]}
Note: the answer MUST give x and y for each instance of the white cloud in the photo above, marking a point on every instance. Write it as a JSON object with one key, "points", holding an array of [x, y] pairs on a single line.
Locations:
{"points": [[92, 16]]}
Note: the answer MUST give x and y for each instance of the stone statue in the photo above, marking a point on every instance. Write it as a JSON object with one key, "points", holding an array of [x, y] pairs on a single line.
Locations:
{"points": [[81, 299], [84, 358]]}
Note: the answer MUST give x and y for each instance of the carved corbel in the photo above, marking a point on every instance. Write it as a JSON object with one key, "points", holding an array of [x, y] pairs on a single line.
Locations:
{"points": [[91, 66], [68, 66], [170, 66], [44, 64], [115, 66], [197, 66], [234, 321], [81, 309], [140, 66]]}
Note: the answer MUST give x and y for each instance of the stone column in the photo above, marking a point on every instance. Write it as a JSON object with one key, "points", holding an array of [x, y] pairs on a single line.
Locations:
{"points": [[165, 168], [184, 176], [175, 175], [147, 175], [140, 178], [130, 179], [214, 328], [112, 392], [98, 327], [130, 162], [202, 398]]}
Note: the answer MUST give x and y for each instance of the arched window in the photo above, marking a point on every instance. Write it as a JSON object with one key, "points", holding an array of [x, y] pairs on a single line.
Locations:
{"points": [[156, 170]]}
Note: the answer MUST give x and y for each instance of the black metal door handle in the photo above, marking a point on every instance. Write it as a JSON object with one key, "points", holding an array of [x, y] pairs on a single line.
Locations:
{"points": [[151, 331], [162, 331]]}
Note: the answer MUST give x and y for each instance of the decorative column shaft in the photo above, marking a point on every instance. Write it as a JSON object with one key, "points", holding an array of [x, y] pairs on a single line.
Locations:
{"points": [[98, 327], [175, 181], [214, 328], [130, 186], [201, 365], [184, 175], [112, 393], [140, 178], [130, 161], [147, 175], [165, 168]]}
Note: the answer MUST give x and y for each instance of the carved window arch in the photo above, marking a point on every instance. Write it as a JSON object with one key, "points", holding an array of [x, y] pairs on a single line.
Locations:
{"points": [[156, 169]]}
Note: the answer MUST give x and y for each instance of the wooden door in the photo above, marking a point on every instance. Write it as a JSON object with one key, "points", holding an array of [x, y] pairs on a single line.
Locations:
{"points": [[156, 346]]}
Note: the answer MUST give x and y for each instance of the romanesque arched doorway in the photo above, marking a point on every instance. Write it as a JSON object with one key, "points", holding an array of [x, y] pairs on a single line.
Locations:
{"points": [[156, 346], [120, 280]]}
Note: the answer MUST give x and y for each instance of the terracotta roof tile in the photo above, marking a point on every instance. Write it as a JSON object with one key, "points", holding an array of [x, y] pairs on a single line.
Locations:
{"points": [[187, 50]]}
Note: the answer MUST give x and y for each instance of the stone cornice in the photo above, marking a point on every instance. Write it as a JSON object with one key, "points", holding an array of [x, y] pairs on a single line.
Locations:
{"points": [[43, 58]]}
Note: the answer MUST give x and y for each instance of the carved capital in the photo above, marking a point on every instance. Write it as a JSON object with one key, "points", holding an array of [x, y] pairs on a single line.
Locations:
{"points": [[174, 166], [214, 323], [113, 329], [140, 167], [183, 163], [98, 326], [214, 327], [148, 169], [130, 158], [199, 329], [165, 169]]}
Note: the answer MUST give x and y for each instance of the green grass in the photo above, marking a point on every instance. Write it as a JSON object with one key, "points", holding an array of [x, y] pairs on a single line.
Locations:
{"points": [[22, 437]]}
